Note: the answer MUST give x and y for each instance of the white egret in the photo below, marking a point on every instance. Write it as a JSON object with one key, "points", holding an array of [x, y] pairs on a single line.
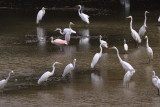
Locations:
{"points": [[65, 30], [134, 34], [3, 82], [69, 68], [125, 46], [83, 16], [149, 50], [159, 19], [127, 78], [126, 66], [96, 57], [47, 74], [156, 83], [40, 15], [104, 43], [142, 30]]}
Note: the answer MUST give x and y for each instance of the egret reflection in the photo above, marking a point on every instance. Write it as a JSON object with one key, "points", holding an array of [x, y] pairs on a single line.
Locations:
{"points": [[41, 38], [97, 81], [84, 41]]}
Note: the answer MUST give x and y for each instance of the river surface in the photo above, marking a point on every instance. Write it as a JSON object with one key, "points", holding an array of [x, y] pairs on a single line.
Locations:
{"points": [[25, 48]]}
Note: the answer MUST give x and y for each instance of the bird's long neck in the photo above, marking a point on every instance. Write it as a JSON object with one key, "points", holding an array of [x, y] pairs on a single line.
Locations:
{"points": [[131, 23], [118, 55], [154, 73], [145, 19], [53, 70], [60, 31], [74, 64], [100, 53], [79, 10], [8, 76], [52, 40], [147, 45]]}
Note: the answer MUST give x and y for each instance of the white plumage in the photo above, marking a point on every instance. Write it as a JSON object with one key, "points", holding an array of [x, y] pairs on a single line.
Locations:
{"points": [[134, 34], [83, 16], [125, 46], [126, 66], [104, 43], [142, 30], [69, 68], [3, 82], [40, 15], [156, 82], [149, 50], [47, 74], [159, 19]]}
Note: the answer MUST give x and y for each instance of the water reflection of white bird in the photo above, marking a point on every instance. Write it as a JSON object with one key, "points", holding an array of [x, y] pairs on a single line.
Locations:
{"points": [[40, 15], [142, 30], [41, 38], [69, 50], [97, 81], [3, 82], [126, 66], [84, 41], [149, 50], [127, 78], [134, 34], [47, 74], [96, 57], [69, 68], [83, 16]]}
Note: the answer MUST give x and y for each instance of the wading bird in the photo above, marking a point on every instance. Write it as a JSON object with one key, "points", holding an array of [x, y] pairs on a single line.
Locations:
{"points": [[69, 68], [127, 78], [156, 82], [96, 57], [142, 30], [159, 19], [125, 46], [83, 16], [104, 43], [134, 34], [40, 15], [47, 74], [149, 50], [3, 82], [126, 66], [58, 41]]}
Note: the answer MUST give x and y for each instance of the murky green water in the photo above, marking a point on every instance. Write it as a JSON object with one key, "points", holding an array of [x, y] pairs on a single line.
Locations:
{"points": [[26, 49]]}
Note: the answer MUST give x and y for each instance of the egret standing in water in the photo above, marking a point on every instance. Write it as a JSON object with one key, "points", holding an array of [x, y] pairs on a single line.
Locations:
{"points": [[127, 78], [149, 50], [96, 57], [125, 46], [126, 66], [142, 30], [47, 74], [83, 16], [134, 34], [104, 43], [3, 82], [40, 15], [69, 68], [156, 82]]}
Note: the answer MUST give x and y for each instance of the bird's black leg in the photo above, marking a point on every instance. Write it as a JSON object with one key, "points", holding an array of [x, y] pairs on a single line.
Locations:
{"points": [[158, 91]]}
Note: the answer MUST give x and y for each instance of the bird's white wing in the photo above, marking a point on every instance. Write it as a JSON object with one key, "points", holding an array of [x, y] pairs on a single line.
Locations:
{"points": [[95, 60], [39, 16], [125, 47], [84, 17], [142, 31], [135, 36], [44, 77], [150, 52], [68, 29], [68, 69], [127, 66], [154, 81], [159, 19], [3, 83]]}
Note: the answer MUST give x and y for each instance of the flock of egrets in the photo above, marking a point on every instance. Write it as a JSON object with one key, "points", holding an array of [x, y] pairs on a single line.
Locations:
{"points": [[103, 44]]}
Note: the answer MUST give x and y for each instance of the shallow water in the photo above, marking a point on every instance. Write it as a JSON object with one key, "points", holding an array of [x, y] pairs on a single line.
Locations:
{"points": [[26, 49]]}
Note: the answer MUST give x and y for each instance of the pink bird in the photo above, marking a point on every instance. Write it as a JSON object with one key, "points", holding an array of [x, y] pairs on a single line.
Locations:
{"points": [[58, 41]]}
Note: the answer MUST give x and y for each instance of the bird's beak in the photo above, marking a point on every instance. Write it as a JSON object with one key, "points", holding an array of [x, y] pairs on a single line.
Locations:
{"points": [[128, 17], [13, 73], [110, 48], [60, 63], [147, 11], [145, 37], [55, 30], [73, 24], [45, 8]]}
